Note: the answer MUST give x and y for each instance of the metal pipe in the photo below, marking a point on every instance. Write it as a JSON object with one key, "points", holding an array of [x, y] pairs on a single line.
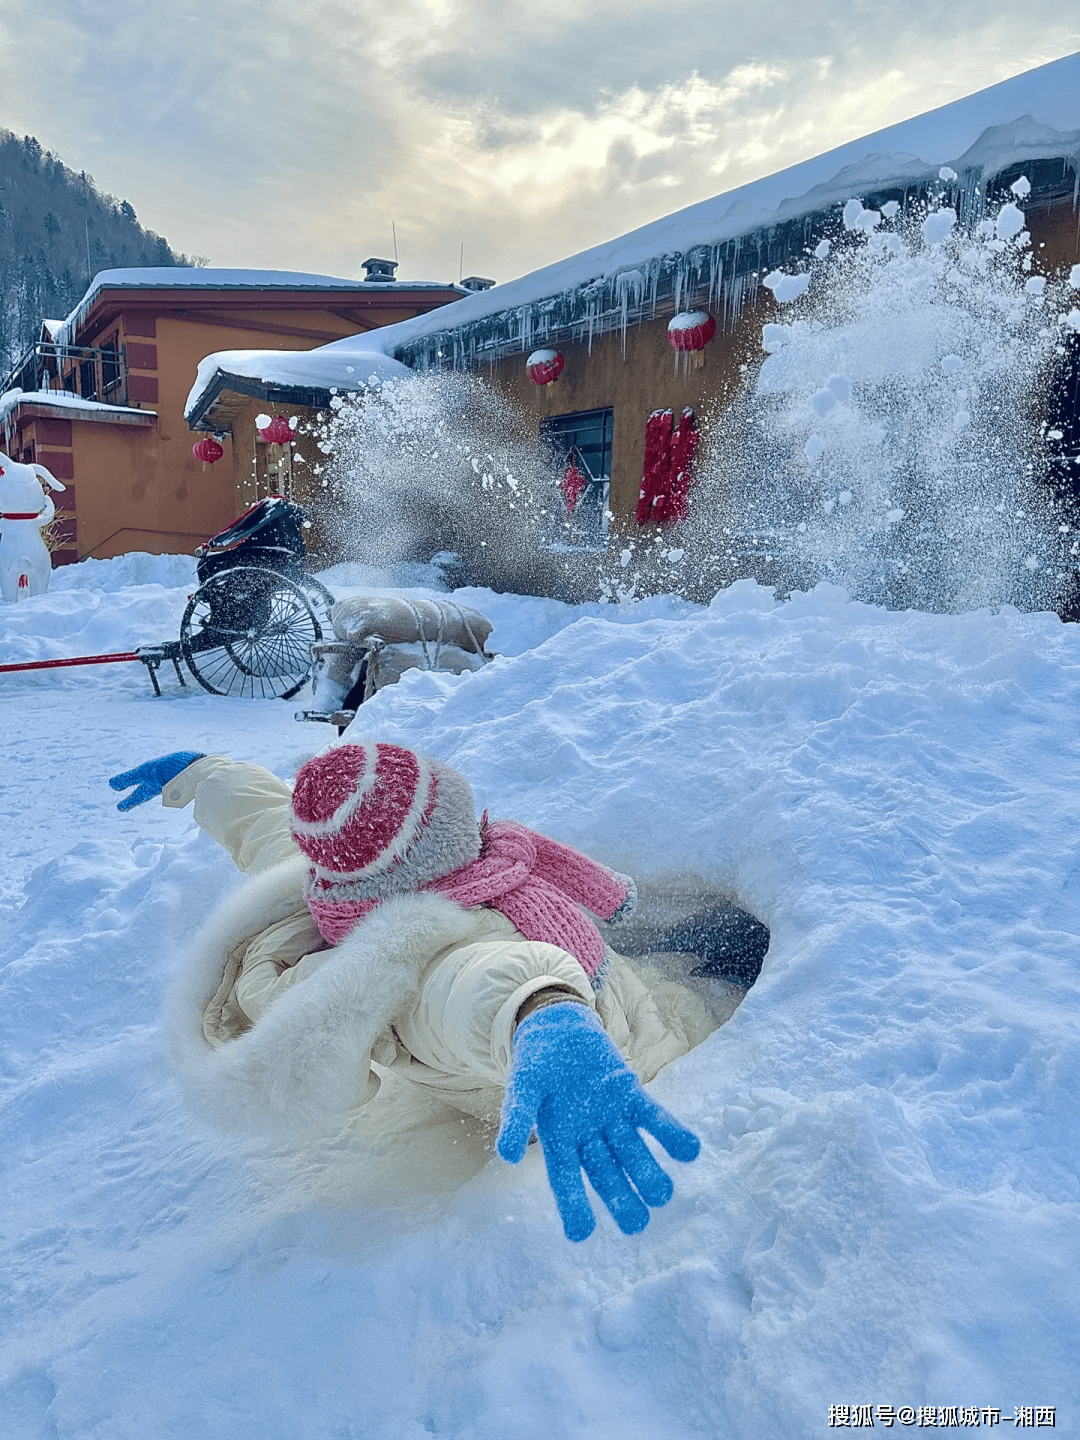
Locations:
{"points": [[76, 660]]}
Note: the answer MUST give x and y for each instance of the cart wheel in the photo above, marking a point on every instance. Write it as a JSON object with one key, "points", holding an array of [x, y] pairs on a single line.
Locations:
{"points": [[248, 632], [322, 602]]}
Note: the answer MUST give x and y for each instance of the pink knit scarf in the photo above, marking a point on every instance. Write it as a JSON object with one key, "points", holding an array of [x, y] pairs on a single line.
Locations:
{"points": [[537, 883]]}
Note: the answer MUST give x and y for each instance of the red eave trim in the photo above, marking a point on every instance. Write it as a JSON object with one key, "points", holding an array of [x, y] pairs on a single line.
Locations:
{"points": [[225, 321], [108, 304]]}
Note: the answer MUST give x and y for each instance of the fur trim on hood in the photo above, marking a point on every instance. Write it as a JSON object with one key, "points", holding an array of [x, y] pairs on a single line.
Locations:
{"points": [[306, 1062]]}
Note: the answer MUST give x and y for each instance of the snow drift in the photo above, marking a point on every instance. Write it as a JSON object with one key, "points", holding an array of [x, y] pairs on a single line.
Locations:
{"points": [[890, 1183]]}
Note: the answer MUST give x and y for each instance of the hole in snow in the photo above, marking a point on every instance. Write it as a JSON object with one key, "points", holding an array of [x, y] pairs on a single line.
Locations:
{"points": [[698, 936], [409, 1143]]}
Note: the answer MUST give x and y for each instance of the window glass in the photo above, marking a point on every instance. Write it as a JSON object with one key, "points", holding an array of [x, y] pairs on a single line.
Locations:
{"points": [[584, 439], [110, 364]]}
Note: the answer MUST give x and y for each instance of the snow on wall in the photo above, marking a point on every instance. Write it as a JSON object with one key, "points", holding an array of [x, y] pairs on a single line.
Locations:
{"points": [[712, 253]]}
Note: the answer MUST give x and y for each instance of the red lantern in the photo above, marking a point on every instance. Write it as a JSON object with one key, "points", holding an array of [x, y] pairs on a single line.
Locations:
{"points": [[688, 333], [208, 451], [544, 367], [278, 432]]}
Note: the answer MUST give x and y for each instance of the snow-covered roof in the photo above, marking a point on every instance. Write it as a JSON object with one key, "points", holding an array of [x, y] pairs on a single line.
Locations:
{"points": [[166, 277], [261, 372], [62, 400], [703, 253]]}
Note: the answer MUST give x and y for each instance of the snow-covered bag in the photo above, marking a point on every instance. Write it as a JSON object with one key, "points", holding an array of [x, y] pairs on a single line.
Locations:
{"points": [[387, 663], [395, 621], [393, 635]]}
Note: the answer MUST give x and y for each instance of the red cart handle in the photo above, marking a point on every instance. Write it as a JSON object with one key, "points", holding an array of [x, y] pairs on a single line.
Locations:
{"points": [[75, 660]]}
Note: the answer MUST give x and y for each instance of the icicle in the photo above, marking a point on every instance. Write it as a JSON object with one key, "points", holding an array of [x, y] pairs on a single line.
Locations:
{"points": [[626, 281], [971, 203], [713, 263]]}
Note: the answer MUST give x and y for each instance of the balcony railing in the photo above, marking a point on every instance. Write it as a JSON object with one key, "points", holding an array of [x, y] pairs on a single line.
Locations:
{"points": [[94, 374]]}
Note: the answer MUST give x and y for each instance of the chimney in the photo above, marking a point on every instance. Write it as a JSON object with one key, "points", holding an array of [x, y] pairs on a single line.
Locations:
{"points": [[380, 270], [476, 282]]}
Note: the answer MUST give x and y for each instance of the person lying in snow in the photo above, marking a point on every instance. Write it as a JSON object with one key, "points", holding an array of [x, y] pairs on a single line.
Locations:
{"points": [[384, 924]]}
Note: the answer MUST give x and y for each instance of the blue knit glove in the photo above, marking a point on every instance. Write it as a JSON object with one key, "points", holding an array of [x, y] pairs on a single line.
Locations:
{"points": [[152, 776], [570, 1082]]}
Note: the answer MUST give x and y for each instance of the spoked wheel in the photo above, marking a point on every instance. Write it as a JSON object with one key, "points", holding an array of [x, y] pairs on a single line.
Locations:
{"points": [[248, 632], [320, 599]]}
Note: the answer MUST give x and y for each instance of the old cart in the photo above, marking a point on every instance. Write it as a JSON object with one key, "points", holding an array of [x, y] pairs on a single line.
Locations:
{"points": [[249, 628]]}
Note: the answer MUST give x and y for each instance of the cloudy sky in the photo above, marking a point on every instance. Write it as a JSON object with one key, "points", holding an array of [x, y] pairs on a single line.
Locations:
{"points": [[291, 133]]}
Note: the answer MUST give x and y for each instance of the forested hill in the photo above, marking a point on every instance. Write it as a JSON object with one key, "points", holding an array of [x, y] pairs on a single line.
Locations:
{"points": [[49, 217]]}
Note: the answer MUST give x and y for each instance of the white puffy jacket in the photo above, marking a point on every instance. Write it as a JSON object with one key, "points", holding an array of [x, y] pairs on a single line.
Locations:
{"points": [[275, 1031]]}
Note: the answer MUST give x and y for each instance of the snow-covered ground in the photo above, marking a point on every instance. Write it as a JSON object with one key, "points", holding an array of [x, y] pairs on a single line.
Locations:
{"points": [[886, 1208]]}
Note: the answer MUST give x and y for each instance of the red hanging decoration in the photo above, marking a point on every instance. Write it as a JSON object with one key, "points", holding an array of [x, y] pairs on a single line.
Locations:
{"points": [[688, 333], [668, 473], [571, 485], [656, 473], [208, 451], [278, 432], [544, 367], [684, 444]]}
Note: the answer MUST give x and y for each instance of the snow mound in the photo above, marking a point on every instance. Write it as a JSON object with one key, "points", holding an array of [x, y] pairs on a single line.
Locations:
{"points": [[97, 607], [890, 1174], [136, 568]]}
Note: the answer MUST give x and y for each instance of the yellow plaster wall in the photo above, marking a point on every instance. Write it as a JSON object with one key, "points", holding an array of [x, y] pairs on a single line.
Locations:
{"points": [[642, 376], [121, 500], [144, 489], [634, 383]]}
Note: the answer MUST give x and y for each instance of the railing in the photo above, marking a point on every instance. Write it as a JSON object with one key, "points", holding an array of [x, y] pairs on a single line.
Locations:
{"points": [[94, 374]]}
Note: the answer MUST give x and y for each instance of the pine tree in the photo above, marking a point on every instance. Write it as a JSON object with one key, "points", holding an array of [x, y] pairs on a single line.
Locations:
{"points": [[51, 219]]}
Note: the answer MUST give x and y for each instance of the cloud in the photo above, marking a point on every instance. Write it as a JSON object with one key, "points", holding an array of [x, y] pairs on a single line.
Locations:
{"points": [[261, 132]]}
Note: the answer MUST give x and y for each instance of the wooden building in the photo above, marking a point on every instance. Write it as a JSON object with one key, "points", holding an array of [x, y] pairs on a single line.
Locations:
{"points": [[99, 400], [601, 318], [237, 391], [606, 311]]}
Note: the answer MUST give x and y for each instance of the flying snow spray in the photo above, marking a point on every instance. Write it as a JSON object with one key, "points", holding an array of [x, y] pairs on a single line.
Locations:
{"points": [[889, 436], [442, 462], [893, 439]]}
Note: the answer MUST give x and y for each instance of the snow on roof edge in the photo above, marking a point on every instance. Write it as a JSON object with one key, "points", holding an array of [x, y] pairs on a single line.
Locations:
{"points": [[347, 368], [153, 277], [63, 400], [1032, 115]]}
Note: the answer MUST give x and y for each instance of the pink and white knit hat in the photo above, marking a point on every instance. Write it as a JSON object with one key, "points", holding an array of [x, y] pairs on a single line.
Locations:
{"points": [[379, 820], [376, 821]]}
